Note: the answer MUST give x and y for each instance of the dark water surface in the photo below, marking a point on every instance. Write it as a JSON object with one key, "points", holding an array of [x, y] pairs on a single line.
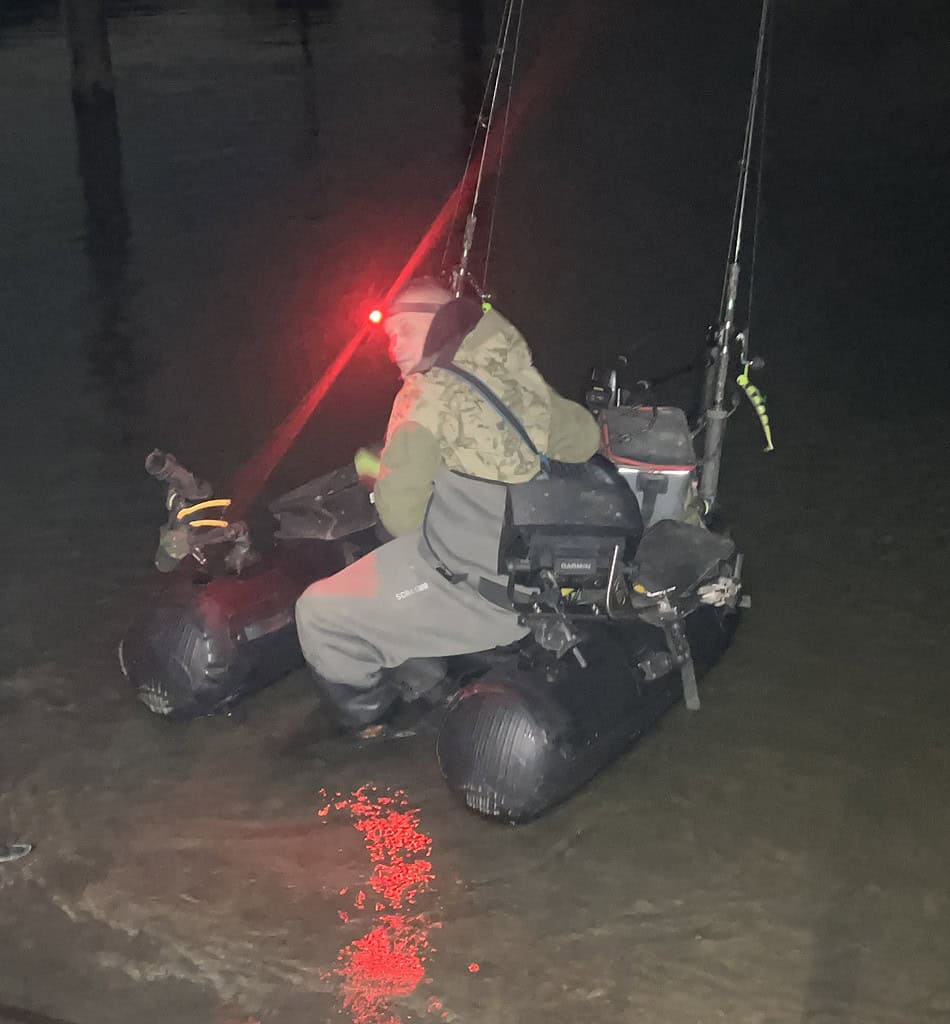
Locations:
{"points": [[179, 277]]}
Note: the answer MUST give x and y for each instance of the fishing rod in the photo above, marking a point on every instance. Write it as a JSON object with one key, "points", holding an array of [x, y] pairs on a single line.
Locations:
{"points": [[510, 25], [717, 372], [252, 475]]}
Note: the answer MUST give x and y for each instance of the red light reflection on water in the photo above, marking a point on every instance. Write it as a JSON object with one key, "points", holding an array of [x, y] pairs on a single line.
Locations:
{"points": [[385, 963], [389, 960]]}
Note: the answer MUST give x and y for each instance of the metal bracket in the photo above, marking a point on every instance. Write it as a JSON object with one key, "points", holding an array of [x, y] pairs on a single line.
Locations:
{"points": [[618, 603], [553, 630], [674, 630]]}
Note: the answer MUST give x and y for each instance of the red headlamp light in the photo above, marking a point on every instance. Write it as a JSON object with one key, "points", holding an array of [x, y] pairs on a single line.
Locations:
{"points": [[377, 316]]}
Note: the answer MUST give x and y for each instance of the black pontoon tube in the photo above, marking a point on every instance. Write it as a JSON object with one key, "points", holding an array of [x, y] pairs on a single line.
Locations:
{"points": [[515, 742]]}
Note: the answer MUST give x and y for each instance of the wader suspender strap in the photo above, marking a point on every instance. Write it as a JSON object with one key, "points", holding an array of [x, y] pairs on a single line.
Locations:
{"points": [[493, 592], [497, 404]]}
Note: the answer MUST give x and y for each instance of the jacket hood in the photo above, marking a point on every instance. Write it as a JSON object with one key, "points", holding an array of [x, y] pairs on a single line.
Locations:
{"points": [[450, 326], [462, 333], [494, 342]]}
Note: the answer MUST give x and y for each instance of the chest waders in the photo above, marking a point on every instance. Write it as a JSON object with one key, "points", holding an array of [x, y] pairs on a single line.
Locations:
{"points": [[491, 590]]}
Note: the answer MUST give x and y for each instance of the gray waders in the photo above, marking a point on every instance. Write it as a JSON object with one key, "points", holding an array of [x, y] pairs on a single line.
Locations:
{"points": [[415, 597], [395, 604]]}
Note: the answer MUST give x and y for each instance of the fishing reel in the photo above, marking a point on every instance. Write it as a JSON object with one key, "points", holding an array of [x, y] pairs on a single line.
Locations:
{"points": [[609, 388], [188, 531]]}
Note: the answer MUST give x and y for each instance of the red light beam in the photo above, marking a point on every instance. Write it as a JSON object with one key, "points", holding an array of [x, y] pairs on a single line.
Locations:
{"points": [[546, 75], [252, 476]]}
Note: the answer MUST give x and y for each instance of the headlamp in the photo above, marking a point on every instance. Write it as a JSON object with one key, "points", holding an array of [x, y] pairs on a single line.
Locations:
{"points": [[377, 316]]}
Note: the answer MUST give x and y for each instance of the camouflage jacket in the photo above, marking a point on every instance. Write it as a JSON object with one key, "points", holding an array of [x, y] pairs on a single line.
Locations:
{"points": [[440, 421]]}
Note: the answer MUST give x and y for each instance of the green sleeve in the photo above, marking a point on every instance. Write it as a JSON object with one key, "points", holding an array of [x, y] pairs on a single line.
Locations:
{"points": [[574, 435], [408, 467]]}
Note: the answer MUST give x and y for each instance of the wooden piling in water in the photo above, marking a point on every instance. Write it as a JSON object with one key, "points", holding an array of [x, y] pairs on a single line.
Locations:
{"points": [[88, 38]]}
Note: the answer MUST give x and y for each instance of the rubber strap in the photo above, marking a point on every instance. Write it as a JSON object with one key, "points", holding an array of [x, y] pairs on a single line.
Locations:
{"points": [[414, 307]]}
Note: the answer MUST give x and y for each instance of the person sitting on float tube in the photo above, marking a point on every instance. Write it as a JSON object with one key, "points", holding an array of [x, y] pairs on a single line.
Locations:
{"points": [[440, 492]]}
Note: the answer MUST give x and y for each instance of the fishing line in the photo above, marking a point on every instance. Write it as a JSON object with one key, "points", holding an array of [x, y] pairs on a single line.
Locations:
{"points": [[481, 123], [718, 370], [758, 198], [742, 189], [501, 151], [494, 103], [461, 273]]}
